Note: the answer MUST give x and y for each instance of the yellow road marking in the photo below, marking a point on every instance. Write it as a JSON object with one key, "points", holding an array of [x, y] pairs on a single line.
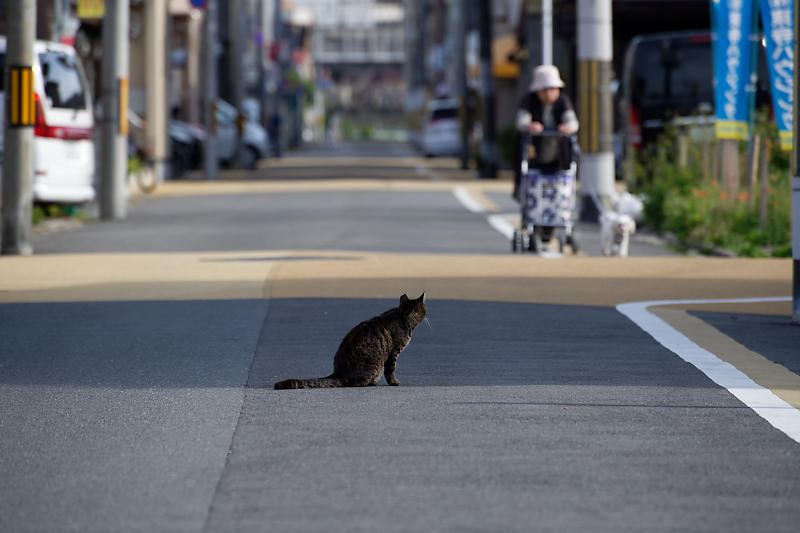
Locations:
{"points": [[574, 280], [779, 379], [195, 188], [403, 161]]}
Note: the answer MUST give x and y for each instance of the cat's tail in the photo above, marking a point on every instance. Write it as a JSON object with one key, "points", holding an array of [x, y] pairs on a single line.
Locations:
{"points": [[314, 383]]}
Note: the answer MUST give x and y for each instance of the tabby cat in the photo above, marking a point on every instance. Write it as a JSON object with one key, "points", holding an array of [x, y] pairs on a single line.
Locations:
{"points": [[370, 349]]}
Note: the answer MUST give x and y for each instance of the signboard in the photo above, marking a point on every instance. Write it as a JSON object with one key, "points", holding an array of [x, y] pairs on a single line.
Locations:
{"points": [[777, 17], [91, 9], [731, 22]]}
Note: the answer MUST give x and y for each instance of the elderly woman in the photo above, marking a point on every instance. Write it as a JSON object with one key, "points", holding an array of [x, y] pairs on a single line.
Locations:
{"points": [[545, 108]]}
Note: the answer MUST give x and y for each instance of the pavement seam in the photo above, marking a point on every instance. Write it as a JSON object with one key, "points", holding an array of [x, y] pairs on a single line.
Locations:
{"points": [[763, 401], [267, 294]]}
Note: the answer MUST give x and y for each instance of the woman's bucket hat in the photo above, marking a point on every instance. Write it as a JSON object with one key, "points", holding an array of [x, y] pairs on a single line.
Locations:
{"points": [[546, 77]]}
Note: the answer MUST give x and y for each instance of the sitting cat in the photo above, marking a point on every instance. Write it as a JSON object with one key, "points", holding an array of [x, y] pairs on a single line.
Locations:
{"points": [[370, 349]]}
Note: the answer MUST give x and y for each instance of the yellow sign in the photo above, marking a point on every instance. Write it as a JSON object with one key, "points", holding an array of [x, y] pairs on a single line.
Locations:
{"points": [[502, 48], [91, 9], [785, 138], [731, 129], [21, 106]]}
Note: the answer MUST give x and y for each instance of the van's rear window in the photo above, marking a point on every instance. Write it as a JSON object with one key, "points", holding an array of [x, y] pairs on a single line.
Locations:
{"points": [[674, 71], [63, 85]]}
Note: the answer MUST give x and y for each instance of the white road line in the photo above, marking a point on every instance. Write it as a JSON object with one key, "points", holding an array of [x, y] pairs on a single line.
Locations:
{"points": [[498, 222], [466, 199], [760, 399], [501, 224]]}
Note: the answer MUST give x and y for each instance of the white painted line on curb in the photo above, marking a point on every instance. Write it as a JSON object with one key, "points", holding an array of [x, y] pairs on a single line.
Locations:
{"points": [[466, 199], [501, 224], [498, 222], [760, 399]]}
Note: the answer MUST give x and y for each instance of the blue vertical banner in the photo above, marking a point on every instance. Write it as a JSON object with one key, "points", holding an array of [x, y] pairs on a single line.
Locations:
{"points": [[777, 18], [731, 21]]}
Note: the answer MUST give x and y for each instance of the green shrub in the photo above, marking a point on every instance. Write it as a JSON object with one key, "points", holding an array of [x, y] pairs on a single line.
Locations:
{"points": [[684, 201]]}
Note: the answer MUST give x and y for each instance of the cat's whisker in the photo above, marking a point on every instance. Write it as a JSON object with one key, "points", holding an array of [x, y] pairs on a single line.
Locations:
{"points": [[428, 323]]}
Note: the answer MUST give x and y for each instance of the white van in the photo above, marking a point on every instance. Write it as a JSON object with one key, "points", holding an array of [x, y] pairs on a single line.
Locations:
{"points": [[63, 149]]}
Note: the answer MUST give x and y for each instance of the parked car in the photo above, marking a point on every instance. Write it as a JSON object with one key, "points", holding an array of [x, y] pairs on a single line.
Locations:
{"points": [[670, 75], [187, 141], [255, 141], [441, 129], [186, 144], [63, 149]]}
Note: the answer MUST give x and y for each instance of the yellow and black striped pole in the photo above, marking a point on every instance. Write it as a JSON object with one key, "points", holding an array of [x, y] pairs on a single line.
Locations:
{"points": [[20, 115], [595, 106]]}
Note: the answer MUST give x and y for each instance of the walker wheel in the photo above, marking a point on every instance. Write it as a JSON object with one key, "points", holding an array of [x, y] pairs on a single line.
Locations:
{"points": [[573, 243], [534, 243], [517, 241]]}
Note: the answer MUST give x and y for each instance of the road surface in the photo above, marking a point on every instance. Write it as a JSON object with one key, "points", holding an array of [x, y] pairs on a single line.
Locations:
{"points": [[137, 359]]}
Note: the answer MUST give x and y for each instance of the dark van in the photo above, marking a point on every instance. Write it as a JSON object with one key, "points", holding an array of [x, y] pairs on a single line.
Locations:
{"points": [[670, 75]]}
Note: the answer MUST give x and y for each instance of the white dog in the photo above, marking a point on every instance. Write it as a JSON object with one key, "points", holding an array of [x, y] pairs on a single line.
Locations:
{"points": [[615, 232]]}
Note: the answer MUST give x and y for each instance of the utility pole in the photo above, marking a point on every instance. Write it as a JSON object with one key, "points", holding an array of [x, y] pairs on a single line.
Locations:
{"points": [[533, 24], [595, 106], [547, 32], [114, 159], [235, 61], [193, 45], [462, 77], [414, 67], [17, 191], [60, 11], [796, 174], [156, 86], [488, 151], [278, 74], [262, 78], [210, 90], [229, 34]]}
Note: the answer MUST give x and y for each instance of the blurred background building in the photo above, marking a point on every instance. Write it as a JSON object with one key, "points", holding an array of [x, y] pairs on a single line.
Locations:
{"points": [[364, 66]]}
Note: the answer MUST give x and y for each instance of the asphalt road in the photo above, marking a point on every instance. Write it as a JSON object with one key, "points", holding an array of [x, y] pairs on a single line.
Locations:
{"points": [[137, 359]]}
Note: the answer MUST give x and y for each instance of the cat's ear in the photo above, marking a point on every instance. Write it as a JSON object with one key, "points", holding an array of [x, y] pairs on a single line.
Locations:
{"points": [[421, 298], [404, 300]]}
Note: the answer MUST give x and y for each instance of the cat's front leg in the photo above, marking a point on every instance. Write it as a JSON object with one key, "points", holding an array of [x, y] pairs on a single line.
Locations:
{"points": [[389, 368]]}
